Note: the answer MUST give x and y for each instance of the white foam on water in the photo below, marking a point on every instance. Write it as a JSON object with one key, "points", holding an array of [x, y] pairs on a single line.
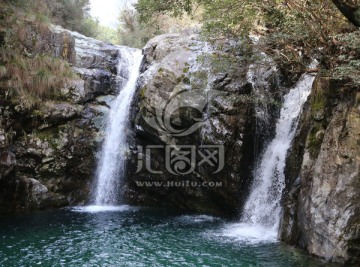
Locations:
{"points": [[196, 218], [97, 208], [249, 233]]}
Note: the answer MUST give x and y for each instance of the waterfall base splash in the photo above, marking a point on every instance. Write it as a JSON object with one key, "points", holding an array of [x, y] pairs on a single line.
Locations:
{"points": [[95, 209], [249, 233]]}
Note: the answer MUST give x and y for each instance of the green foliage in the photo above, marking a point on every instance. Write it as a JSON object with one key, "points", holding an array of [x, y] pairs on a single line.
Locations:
{"points": [[347, 66], [132, 32], [292, 31], [28, 77], [71, 14], [148, 9], [107, 34], [349, 72], [135, 32], [90, 27], [230, 18], [74, 15]]}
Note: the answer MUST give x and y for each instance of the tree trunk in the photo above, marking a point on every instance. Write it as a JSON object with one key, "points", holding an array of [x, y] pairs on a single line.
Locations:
{"points": [[350, 9]]}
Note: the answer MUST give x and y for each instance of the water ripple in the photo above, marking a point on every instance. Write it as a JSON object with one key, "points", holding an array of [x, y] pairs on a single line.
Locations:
{"points": [[129, 236]]}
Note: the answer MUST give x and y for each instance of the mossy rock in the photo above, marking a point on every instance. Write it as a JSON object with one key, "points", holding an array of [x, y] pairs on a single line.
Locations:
{"points": [[315, 139], [142, 92], [322, 91]]}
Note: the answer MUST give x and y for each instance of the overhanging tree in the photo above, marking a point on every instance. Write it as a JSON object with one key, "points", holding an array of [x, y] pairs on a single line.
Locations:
{"points": [[350, 9]]}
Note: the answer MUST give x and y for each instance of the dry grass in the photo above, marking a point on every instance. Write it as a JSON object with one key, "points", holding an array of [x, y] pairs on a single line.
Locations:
{"points": [[28, 78], [33, 79]]}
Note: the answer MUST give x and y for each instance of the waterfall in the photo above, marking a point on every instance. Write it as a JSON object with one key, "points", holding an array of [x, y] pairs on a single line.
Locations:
{"points": [[263, 205], [110, 168], [261, 215]]}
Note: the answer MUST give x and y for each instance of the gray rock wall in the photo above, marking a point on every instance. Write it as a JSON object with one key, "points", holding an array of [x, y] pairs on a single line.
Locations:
{"points": [[322, 201], [48, 153], [181, 80]]}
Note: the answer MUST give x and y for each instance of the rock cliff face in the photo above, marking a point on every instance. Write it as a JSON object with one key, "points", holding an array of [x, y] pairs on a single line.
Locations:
{"points": [[48, 154], [322, 201], [197, 129], [185, 99]]}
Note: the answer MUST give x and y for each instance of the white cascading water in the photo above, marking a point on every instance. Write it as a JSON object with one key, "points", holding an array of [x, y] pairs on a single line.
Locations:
{"points": [[111, 164], [263, 205], [261, 215]]}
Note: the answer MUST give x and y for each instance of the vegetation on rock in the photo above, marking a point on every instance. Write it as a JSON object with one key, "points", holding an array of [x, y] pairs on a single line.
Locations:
{"points": [[292, 31], [28, 70], [135, 32]]}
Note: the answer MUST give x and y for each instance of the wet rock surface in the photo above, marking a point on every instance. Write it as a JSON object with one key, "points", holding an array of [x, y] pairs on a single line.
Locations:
{"points": [[48, 153], [184, 99], [322, 201]]}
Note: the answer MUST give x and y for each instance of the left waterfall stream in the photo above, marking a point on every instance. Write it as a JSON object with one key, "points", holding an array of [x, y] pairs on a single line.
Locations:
{"points": [[111, 164]]}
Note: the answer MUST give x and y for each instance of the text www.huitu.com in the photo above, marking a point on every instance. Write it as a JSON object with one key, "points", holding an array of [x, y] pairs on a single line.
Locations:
{"points": [[178, 184]]}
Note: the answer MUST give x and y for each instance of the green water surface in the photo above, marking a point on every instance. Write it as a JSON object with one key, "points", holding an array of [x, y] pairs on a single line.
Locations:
{"points": [[134, 237]]}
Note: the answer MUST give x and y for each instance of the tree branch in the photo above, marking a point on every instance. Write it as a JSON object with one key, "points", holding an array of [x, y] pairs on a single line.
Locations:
{"points": [[350, 10]]}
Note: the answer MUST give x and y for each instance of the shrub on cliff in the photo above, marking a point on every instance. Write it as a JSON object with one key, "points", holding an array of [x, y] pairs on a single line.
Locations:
{"points": [[293, 31], [27, 74], [134, 32]]}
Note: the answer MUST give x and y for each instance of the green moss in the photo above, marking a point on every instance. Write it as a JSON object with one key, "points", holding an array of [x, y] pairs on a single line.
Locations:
{"points": [[142, 92], [315, 140], [318, 103], [50, 135], [180, 78], [199, 79], [200, 75], [186, 80], [186, 70], [33, 41], [37, 113]]}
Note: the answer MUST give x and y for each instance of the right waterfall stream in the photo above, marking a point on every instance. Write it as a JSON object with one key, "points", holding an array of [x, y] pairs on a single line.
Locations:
{"points": [[262, 211]]}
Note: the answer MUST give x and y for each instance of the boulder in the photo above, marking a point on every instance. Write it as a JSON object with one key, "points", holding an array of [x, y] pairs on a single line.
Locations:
{"points": [[185, 99]]}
